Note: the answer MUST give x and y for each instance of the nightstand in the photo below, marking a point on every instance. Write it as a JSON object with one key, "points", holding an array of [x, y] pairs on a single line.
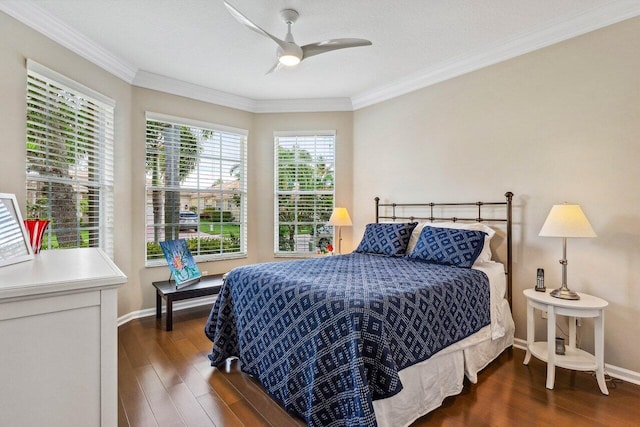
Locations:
{"points": [[574, 358]]}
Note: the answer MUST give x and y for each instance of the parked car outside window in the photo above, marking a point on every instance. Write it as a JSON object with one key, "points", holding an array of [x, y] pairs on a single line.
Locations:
{"points": [[188, 221]]}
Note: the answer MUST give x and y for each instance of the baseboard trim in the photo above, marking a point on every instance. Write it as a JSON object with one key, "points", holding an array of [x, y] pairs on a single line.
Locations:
{"points": [[177, 306], [615, 371]]}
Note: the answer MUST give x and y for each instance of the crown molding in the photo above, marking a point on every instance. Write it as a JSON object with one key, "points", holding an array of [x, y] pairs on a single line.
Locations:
{"points": [[166, 84], [309, 105], [37, 18], [555, 32], [170, 85]]}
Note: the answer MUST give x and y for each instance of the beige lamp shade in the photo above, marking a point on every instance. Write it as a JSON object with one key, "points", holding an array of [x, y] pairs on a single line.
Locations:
{"points": [[567, 221], [340, 217]]}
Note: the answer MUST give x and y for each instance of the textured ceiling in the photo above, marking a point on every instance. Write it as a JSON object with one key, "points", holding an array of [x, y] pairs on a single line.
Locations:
{"points": [[199, 42]]}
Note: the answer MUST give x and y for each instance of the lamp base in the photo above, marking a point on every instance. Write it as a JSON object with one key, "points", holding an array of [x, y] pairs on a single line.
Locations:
{"points": [[564, 293]]}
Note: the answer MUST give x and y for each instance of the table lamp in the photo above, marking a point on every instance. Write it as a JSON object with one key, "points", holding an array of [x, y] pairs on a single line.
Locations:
{"points": [[340, 218], [566, 221]]}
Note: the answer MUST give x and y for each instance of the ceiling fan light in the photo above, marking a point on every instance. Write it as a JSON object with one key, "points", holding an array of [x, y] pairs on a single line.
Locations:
{"points": [[289, 60]]}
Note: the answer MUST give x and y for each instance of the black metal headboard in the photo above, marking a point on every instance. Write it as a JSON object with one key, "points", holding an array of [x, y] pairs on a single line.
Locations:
{"points": [[504, 217]]}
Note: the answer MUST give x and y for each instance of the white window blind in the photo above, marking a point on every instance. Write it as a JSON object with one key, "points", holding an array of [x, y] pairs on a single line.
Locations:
{"points": [[195, 187], [70, 135], [305, 168]]}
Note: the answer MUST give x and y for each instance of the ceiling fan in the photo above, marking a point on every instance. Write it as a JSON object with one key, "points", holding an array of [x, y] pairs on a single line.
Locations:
{"points": [[289, 53]]}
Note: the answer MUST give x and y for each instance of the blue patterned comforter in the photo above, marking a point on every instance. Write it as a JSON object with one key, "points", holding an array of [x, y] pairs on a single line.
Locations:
{"points": [[327, 336]]}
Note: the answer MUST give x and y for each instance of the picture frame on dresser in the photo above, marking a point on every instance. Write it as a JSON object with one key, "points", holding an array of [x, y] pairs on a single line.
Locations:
{"points": [[14, 241]]}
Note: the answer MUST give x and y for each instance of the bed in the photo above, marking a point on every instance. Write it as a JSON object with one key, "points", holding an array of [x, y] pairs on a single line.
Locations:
{"points": [[380, 336]]}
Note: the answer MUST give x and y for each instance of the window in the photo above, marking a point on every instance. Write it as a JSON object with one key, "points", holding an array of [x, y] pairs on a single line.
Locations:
{"points": [[305, 165], [195, 187], [69, 160]]}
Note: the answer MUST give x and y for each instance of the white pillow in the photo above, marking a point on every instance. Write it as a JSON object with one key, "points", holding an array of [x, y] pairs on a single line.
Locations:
{"points": [[485, 255]]}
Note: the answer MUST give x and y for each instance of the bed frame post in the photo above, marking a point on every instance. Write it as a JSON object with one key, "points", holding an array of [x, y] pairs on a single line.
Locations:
{"points": [[509, 196], [377, 209]]}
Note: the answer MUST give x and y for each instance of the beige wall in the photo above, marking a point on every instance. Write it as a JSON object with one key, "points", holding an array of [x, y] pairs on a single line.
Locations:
{"points": [[560, 124]]}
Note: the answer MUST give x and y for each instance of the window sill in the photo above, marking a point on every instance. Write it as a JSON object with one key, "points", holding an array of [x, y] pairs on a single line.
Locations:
{"points": [[205, 258], [299, 256]]}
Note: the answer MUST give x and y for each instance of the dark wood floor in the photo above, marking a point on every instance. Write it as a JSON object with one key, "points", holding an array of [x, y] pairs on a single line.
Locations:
{"points": [[165, 379]]}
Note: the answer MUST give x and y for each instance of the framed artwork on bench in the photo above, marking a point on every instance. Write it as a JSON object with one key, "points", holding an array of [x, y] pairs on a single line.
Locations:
{"points": [[181, 263]]}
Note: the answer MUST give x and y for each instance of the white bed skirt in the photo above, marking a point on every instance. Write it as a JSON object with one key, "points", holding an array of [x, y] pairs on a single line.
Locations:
{"points": [[427, 384]]}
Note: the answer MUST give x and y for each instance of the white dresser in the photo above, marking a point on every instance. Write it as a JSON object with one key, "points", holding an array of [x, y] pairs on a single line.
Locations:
{"points": [[58, 340]]}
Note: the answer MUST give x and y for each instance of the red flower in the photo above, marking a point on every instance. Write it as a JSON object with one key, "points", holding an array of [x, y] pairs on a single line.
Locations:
{"points": [[330, 248]]}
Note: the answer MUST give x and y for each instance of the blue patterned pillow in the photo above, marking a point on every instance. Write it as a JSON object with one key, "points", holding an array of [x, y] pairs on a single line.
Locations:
{"points": [[448, 246], [386, 238]]}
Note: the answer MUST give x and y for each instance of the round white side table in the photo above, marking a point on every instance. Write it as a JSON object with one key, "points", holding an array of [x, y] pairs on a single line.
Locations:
{"points": [[574, 358]]}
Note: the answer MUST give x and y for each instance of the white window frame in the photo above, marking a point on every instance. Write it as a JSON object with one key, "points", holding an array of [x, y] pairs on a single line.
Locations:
{"points": [[242, 220], [276, 235], [103, 151]]}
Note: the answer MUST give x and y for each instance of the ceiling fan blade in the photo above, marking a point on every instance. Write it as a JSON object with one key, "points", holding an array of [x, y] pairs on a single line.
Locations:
{"points": [[275, 68], [333, 44], [252, 26]]}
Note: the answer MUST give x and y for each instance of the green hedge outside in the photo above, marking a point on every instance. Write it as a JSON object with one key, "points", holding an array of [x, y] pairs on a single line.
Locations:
{"points": [[215, 215]]}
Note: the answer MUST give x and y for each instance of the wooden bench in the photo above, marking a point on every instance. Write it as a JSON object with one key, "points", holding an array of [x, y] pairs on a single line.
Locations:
{"points": [[208, 285]]}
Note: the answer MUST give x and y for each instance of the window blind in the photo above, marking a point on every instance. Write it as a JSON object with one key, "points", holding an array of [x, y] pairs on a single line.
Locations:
{"points": [[305, 188], [195, 187], [70, 137]]}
